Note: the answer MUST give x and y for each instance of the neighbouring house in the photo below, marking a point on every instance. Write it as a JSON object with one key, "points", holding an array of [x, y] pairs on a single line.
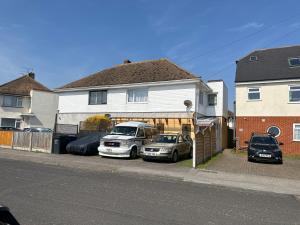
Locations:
{"points": [[157, 92], [26, 103], [268, 96]]}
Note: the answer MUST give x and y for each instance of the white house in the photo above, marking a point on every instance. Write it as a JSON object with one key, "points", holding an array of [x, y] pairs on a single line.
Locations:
{"points": [[155, 91], [24, 102]]}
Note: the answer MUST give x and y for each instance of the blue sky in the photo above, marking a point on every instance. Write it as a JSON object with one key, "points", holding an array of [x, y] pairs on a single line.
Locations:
{"points": [[65, 40]]}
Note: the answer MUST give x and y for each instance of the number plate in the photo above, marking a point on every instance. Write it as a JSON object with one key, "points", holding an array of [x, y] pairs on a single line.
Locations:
{"points": [[151, 154], [265, 155], [109, 150]]}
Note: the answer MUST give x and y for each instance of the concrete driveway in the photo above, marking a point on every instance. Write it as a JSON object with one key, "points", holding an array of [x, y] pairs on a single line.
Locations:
{"points": [[228, 161]]}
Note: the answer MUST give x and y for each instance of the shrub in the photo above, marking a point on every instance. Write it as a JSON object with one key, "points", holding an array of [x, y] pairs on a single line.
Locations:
{"points": [[98, 122]]}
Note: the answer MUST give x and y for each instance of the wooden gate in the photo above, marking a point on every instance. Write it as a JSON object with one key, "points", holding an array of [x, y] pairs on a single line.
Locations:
{"points": [[6, 139]]}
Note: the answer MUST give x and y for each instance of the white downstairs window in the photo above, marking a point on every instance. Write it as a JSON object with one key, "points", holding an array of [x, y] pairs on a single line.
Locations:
{"points": [[253, 94], [296, 131], [139, 95]]}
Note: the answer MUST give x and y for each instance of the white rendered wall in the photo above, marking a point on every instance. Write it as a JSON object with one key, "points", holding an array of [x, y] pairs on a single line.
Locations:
{"points": [[274, 100], [44, 107], [166, 98]]}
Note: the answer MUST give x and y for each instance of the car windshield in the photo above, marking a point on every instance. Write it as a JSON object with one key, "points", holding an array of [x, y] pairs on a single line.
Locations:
{"points": [[166, 139], [263, 140], [121, 130]]}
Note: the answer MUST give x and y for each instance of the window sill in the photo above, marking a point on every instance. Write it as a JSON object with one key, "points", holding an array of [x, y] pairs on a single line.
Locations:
{"points": [[98, 104], [296, 140], [137, 102], [294, 102], [18, 107], [254, 100]]}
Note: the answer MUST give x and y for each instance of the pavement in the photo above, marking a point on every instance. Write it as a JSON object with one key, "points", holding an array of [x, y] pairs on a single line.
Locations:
{"points": [[40, 194], [167, 170]]}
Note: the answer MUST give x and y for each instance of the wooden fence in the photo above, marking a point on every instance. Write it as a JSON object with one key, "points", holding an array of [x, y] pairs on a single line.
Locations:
{"points": [[27, 141], [6, 139]]}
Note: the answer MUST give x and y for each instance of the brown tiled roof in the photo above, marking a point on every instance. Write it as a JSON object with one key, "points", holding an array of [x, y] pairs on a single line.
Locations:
{"points": [[22, 86], [137, 72]]}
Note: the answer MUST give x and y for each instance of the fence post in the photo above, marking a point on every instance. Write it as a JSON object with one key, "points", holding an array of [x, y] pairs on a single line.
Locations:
{"points": [[13, 140], [30, 141]]}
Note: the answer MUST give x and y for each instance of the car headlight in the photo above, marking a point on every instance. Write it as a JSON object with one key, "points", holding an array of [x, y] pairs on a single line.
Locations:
{"points": [[166, 150], [125, 142]]}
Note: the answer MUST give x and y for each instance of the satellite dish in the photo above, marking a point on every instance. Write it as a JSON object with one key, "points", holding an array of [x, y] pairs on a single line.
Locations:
{"points": [[188, 104]]}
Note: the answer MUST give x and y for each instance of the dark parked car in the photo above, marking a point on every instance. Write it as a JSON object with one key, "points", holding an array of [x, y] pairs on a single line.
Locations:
{"points": [[87, 145], [37, 129], [9, 129], [264, 147]]}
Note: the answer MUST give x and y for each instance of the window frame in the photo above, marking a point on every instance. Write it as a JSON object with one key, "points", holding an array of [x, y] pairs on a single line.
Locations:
{"points": [[294, 126], [259, 91], [294, 102], [253, 60], [289, 61], [102, 103], [19, 99], [135, 102], [201, 97], [216, 98], [277, 128]]}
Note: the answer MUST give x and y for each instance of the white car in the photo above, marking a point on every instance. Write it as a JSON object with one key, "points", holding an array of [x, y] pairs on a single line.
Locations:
{"points": [[126, 140]]}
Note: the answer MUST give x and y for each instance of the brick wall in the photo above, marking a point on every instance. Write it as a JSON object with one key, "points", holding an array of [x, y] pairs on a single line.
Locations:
{"points": [[246, 125]]}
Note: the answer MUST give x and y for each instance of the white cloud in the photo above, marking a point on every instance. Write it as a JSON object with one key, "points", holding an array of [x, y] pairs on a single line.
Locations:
{"points": [[251, 25]]}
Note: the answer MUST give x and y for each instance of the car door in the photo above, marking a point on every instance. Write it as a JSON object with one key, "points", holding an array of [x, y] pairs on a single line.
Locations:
{"points": [[180, 145], [140, 138]]}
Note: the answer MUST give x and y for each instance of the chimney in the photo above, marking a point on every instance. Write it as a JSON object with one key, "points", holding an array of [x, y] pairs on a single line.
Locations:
{"points": [[126, 61], [31, 74]]}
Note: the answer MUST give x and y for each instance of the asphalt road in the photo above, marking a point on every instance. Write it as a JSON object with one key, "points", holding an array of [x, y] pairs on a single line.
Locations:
{"points": [[38, 195]]}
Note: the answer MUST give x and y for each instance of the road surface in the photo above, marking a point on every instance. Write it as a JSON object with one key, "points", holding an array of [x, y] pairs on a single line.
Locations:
{"points": [[38, 194]]}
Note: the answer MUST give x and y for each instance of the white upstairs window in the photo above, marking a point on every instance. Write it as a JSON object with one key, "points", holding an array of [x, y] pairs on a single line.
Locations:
{"points": [[212, 99], [137, 95], [253, 94], [201, 98], [294, 94]]}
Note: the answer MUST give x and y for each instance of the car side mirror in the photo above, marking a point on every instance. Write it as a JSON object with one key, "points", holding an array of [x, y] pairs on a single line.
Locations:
{"points": [[280, 143], [247, 142], [6, 217]]}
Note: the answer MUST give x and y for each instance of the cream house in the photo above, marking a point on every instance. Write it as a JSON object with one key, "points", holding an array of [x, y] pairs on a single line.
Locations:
{"points": [[268, 95]]}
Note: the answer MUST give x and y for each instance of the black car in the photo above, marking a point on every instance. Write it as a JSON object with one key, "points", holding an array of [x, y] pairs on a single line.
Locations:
{"points": [[87, 145], [264, 147], [9, 129]]}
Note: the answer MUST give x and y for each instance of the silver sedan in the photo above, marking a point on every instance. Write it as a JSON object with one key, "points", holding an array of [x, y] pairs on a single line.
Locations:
{"points": [[168, 146]]}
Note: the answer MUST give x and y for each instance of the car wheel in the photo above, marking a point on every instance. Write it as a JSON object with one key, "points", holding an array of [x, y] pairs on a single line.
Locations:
{"points": [[133, 153], [280, 162], [175, 157]]}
